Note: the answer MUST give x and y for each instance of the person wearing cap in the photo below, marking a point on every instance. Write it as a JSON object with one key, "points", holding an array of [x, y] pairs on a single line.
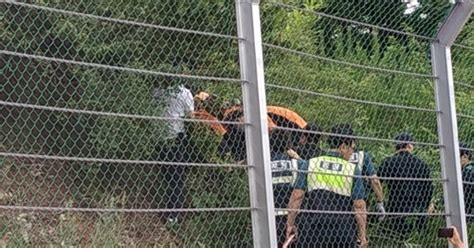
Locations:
{"points": [[330, 183], [410, 195], [363, 160], [308, 144], [467, 178], [284, 170]]}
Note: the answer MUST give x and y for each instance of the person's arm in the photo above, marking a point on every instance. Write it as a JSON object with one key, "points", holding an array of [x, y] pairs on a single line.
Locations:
{"points": [[296, 198], [360, 208], [378, 190], [374, 180], [361, 220], [294, 205], [293, 154], [377, 187]]}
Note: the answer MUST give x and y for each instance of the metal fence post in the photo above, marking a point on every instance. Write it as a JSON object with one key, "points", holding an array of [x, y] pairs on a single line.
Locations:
{"points": [[447, 121], [254, 102]]}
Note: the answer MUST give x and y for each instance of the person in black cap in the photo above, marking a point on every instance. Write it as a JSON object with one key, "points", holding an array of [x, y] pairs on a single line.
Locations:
{"points": [[308, 144], [406, 196], [467, 177]]}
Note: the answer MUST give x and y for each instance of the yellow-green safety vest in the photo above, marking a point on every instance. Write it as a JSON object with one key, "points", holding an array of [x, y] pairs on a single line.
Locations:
{"points": [[332, 174], [284, 171], [357, 158]]}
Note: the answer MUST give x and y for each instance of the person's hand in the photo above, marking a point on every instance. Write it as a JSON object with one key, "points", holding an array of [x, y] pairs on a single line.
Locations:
{"points": [[291, 231], [431, 208], [288, 241], [293, 154], [456, 239], [362, 243], [381, 209]]}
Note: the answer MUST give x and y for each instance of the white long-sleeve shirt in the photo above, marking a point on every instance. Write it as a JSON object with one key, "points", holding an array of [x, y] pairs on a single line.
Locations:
{"points": [[178, 103]]}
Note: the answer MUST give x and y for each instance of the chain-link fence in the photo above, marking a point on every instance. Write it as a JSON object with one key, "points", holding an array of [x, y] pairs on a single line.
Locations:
{"points": [[138, 123], [463, 55], [109, 136], [364, 63]]}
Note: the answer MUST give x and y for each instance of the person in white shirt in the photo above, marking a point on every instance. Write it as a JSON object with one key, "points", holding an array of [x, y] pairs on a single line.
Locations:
{"points": [[178, 104]]}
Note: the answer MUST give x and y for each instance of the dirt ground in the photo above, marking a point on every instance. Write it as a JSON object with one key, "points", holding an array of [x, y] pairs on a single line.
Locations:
{"points": [[39, 183]]}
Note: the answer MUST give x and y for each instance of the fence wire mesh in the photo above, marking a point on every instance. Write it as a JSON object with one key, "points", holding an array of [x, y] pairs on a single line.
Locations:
{"points": [[110, 125], [463, 57], [122, 123], [366, 64]]}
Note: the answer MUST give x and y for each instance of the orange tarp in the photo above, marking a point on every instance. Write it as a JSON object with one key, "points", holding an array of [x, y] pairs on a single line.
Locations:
{"points": [[231, 109], [213, 121], [287, 114], [280, 111]]}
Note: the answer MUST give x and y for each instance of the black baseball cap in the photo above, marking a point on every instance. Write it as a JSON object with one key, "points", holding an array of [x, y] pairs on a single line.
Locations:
{"points": [[344, 135], [403, 139]]}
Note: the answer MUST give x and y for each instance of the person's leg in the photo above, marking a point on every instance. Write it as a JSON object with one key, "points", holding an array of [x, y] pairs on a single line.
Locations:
{"points": [[158, 177], [176, 188], [346, 234], [311, 231], [175, 176]]}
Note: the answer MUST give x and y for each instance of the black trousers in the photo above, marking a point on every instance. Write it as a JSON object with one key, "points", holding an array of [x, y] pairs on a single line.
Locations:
{"points": [[326, 230], [174, 175]]}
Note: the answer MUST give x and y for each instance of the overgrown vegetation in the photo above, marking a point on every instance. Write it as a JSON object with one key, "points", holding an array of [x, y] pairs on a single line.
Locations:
{"points": [[108, 90]]}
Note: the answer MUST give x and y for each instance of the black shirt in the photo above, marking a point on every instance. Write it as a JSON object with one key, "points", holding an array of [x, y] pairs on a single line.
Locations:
{"points": [[308, 151], [407, 196]]}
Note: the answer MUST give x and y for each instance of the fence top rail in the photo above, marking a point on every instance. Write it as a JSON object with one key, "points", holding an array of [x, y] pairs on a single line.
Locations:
{"points": [[273, 2], [467, 85], [122, 21], [121, 210], [118, 68], [415, 179], [369, 213], [355, 65], [359, 137], [118, 161], [381, 104], [466, 116], [115, 114], [463, 46]]}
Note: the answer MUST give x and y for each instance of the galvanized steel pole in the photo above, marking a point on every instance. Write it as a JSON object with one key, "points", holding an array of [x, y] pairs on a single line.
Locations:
{"points": [[447, 121], [255, 112]]}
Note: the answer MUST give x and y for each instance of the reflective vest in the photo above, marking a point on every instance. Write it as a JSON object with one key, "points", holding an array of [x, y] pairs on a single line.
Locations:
{"points": [[283, 177], [358, 158], [332, 174]]}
